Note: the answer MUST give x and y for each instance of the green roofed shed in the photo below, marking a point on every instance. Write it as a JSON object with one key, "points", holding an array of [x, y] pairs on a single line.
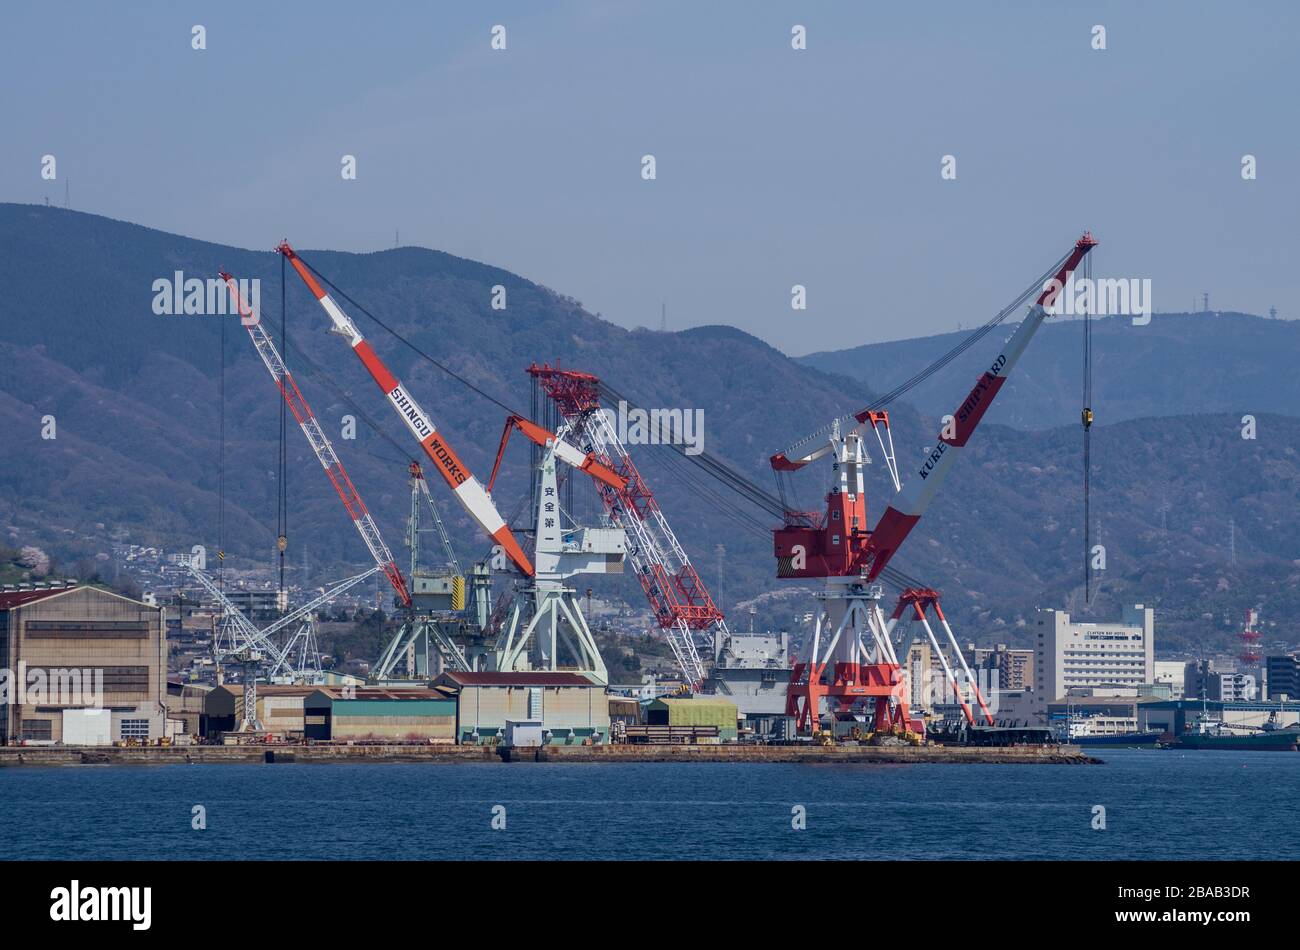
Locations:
{"points": [[694, 711]]}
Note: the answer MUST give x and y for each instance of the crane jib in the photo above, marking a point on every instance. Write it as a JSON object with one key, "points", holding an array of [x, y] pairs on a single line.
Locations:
{"points": [[976, 396], [412, 413], [932, 460], [447, 459]]}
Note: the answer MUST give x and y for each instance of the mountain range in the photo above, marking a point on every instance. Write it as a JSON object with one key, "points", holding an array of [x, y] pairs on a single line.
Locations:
{"points": [[1195, 519]]}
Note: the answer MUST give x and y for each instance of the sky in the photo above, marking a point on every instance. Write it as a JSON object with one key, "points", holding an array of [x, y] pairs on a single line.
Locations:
{"points": [[774, 166]]}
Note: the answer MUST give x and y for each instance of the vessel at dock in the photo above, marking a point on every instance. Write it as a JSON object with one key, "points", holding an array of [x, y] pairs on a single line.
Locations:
{"points": [[1209, 733], [1277, 740], [1120, 740]]}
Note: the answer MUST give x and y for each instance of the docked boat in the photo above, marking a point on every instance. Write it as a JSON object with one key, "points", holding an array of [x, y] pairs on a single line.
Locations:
{"points": [[1122, 739]]}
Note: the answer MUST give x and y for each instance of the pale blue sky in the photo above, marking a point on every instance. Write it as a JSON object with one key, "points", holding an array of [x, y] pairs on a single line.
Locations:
{"points": [[775, 167]]}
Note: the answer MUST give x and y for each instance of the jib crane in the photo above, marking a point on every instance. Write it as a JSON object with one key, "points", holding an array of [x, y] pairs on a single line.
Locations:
{"points": [[320, 444], [414, 626], [546, 615], [850, 657], [241, 643], [679, 599], [568, 552], [467, 489]]}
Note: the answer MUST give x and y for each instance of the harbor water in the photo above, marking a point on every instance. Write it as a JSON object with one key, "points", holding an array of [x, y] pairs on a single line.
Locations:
{"points": [[1155, 804]]}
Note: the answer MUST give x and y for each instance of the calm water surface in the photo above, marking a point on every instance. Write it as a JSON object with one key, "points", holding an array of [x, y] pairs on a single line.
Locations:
{"points": [[1159, 804]]}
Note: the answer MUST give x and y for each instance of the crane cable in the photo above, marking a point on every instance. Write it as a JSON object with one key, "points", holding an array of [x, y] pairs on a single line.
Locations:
{"points": [[715, 467], [1086, 418], [777, 505], [1035, 288], [710, 464], [282, 499], [221, 466]]}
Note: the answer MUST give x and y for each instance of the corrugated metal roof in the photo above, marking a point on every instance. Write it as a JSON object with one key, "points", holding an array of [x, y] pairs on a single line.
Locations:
{"points": [[16, 598], [695, 701], [521, 678], [378, 692]]}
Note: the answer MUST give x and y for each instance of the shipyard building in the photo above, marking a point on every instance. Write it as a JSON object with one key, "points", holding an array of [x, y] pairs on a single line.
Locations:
{"points": [[81, 665], [561, 707]]}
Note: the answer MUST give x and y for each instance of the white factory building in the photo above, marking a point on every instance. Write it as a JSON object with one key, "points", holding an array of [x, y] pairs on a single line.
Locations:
{"points": [[1071, 654]]}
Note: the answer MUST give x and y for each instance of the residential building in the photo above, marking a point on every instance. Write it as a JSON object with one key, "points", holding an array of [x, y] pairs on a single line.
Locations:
{"points": [[1232, 687], [1013, 669]]}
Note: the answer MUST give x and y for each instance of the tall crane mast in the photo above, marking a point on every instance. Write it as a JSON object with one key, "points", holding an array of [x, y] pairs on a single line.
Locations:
{"points": [[679, 599], [420, 489], [468, 490], [320, 444]]}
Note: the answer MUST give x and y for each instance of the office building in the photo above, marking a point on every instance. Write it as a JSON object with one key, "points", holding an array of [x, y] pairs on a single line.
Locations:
{"points": [[1073, 654]]}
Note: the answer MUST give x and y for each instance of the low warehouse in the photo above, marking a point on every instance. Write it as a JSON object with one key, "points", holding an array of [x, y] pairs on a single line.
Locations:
{"points": [[185, 704], [571, 708], [279, 709], [360, 714], [695, 711], [625, 709], [410, 718]]}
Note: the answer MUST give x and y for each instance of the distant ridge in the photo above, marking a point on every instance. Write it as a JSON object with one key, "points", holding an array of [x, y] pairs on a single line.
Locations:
{"points": [[1179, 364], [135, 398]]}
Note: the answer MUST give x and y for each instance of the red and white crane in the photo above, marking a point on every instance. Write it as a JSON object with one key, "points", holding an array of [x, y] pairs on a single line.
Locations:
{"points": [[679, 599], [320, 444], [850, 657], [468, 490]]}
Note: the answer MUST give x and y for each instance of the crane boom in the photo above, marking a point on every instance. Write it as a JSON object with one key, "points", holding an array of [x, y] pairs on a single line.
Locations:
{"points": [[320, 444], [540, 435], [473, 497], [916, 493]]}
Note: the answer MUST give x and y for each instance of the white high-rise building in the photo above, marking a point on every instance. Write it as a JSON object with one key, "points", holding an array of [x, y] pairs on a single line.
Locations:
{"points": [[1070, 654]]}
